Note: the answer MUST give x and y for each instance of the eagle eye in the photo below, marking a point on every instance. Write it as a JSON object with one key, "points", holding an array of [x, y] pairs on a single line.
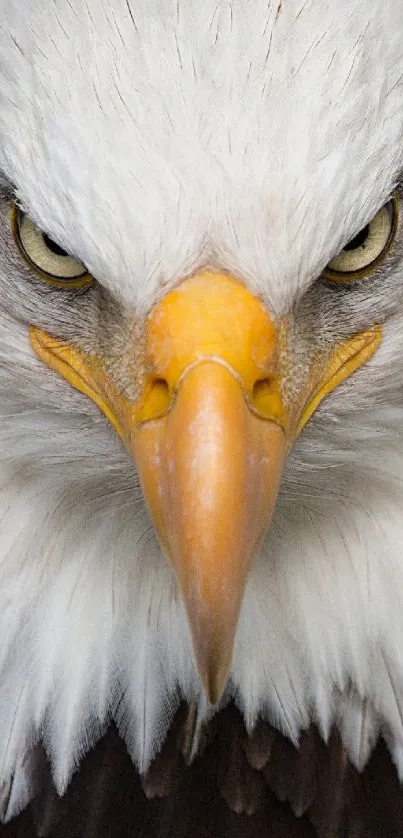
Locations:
{"points": [[368, 248], [44, 256]]}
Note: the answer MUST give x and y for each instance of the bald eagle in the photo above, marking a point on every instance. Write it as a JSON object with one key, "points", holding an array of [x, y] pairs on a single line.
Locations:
{"points": [[201, 412]]}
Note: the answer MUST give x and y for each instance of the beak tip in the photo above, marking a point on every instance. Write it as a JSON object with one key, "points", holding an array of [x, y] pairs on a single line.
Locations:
{"points": [[215, 692], [214, 676]]}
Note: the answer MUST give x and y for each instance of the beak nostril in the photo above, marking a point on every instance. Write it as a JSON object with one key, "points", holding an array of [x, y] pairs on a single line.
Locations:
{"points": [[267, 400], [158, 399], [161, 386], [262, 388]]}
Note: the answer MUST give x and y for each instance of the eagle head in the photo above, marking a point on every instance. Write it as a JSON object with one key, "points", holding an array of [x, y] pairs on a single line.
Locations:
{"points": [[201, 322]]}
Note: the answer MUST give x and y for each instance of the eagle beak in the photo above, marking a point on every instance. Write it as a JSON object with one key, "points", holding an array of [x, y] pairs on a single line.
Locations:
{"points": [[209, 434], [210, 448]]}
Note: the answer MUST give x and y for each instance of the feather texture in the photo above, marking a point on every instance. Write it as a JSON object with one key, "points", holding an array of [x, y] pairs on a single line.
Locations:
{"points": [[200, 119], [311, 792]]}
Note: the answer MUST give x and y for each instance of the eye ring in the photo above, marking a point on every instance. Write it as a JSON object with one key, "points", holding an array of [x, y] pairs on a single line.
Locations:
{"points": [[41, 254], [386, 232]]}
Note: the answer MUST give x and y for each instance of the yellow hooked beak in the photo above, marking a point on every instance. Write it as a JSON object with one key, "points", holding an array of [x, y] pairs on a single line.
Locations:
{"points": [[209, 434]]}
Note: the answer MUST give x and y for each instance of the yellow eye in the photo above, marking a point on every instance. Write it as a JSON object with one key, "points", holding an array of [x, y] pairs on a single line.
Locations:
{"points": [[368, 248], [44, 256]]}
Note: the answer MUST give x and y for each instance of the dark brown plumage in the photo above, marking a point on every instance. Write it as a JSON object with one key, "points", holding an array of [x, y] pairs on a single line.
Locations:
{"points": [[238, 786]]}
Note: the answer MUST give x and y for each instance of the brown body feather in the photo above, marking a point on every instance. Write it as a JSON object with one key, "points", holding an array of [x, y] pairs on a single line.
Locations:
{"points": [[237, 786]]}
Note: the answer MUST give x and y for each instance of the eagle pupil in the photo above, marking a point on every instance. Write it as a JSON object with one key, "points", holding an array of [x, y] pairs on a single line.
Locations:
{"points": [[359, 239], [53, 246]]}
